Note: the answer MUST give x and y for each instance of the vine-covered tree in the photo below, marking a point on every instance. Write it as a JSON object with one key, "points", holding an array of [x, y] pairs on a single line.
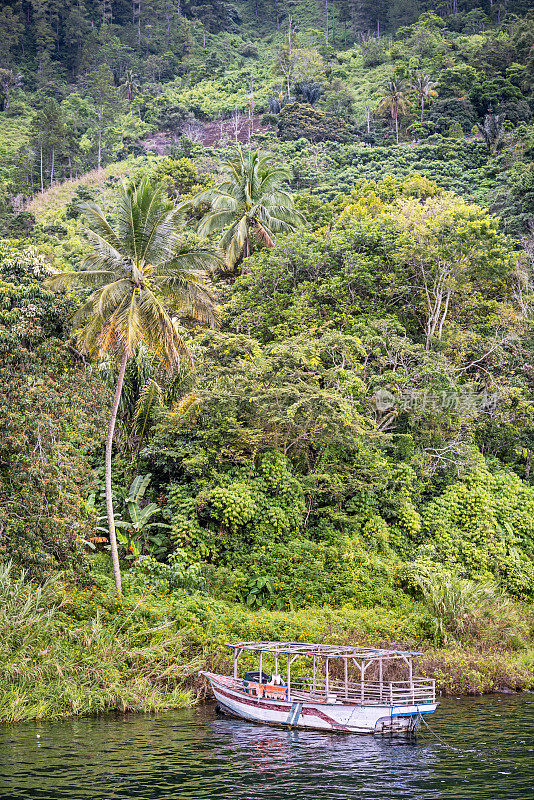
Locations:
{"points": [[9, 80]]}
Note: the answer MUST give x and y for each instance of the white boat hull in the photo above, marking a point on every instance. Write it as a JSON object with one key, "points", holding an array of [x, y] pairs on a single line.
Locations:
{"points": [[339, 717]]}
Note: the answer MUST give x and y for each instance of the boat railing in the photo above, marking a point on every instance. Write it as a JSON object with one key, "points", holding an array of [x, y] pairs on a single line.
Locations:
{"points": [[418, 691]]}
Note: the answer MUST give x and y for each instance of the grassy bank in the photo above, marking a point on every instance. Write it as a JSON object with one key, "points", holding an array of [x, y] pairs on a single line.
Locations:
{"points": [[67, 651]]}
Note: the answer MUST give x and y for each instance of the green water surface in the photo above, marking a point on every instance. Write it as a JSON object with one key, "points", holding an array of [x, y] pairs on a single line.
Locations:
{"points": [[196, 755]]}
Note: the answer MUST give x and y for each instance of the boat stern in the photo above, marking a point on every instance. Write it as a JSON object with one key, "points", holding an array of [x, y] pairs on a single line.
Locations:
{"points": [[403, 719]]}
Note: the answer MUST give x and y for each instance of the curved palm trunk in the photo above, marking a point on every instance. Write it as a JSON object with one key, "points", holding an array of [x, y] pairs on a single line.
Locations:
{"points": [[109, 498]]}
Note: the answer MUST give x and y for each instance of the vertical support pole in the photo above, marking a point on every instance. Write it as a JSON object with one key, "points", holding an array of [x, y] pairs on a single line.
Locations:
{"points": [[289, 677], [362, 679], [235, 663], [410, 667], [314, 672], [276, 663], [261, 659], [390, 693], [346, 679], [433, 691], [380, 676], [327, 685]]}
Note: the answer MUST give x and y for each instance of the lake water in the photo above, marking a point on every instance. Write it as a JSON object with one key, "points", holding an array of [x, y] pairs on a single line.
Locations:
{"points": [[196, 755]]}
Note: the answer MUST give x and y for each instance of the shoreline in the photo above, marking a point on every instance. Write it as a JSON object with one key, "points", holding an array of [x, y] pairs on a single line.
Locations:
{"points": [[80, 652], [208, 700], [477, 674]]}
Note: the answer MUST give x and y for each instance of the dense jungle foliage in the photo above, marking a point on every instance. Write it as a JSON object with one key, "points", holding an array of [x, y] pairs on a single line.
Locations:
{"points": [[342, 450]]}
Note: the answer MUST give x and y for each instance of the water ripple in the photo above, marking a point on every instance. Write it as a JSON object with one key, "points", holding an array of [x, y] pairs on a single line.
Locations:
{"points": [[194, 755]]}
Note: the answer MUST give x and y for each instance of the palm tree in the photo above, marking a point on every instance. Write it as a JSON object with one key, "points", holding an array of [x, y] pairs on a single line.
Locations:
{"points": [[250, 200], [424, 89], [394, 102], [141, 281]]}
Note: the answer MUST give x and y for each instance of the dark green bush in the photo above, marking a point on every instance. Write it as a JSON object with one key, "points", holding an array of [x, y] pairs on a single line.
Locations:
{"points": [[298, 120]]}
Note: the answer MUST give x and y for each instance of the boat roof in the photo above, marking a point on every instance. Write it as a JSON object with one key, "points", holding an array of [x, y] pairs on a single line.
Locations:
{"points": [[322, 650]]}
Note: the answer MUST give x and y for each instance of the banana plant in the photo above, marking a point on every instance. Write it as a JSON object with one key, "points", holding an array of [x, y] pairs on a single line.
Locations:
{"points": [[139, 519], [135, 525]]}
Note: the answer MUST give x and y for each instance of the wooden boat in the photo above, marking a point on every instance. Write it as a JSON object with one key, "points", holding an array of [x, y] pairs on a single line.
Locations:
{"points": [[344, 689]]}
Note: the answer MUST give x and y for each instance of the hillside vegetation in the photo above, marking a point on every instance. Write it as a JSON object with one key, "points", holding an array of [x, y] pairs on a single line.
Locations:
{"points": [[323, 227]]}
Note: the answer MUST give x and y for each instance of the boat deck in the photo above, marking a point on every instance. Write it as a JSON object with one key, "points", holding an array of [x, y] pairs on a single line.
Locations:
{"points": [[419, 691]]}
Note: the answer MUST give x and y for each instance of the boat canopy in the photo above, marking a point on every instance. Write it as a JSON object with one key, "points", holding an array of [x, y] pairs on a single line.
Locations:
{"points": [[323, 650], [365, 659]]}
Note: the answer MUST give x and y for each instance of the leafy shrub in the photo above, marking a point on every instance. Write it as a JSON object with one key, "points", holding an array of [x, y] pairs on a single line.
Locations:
{"points": [[298, 120], [177, 176], [269, 119], [456, 131], [19, 225], [514, 112], [248, 50], [228, 519], [171, 117], [175, 574], [374, 53], [446, 112]]}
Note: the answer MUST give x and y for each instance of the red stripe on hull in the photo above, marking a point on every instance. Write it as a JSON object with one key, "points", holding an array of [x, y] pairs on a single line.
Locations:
{"points": [[306, 712]]}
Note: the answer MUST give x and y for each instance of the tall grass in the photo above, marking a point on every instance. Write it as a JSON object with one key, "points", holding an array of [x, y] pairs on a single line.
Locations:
{"points": [[53, 665], [476, 610], [26, 611]]}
